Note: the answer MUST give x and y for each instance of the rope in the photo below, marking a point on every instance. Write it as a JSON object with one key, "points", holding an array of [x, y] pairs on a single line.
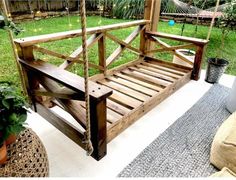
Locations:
{"points": [[213, 19], [87, 141]]}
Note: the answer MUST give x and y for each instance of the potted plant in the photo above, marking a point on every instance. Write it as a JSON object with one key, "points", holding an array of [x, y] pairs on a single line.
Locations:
{"points": [[13, 113], [227, 23], [3, 149]]}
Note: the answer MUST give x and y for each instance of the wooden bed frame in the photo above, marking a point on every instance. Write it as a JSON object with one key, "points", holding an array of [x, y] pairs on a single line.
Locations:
{"points": [[119, 96]]}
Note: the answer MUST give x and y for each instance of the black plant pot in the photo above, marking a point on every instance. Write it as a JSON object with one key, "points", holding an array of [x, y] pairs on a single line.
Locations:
{"points": [[216, 67]]}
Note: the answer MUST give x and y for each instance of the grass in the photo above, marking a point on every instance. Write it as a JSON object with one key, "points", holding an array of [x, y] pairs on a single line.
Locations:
{"points": [[8, 70]]}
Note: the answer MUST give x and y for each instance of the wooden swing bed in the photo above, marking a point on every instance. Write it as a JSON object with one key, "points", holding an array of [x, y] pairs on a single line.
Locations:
{"points": [[119, 96]]}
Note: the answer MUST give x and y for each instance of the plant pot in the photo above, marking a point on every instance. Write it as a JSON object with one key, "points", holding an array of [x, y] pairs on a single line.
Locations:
{"points": [[11, 139], [215, 69], [3, 154], [188, 53]]}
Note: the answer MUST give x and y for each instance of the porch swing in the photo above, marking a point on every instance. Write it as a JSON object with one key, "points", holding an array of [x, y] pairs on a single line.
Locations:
{"points": [[106, 104]]}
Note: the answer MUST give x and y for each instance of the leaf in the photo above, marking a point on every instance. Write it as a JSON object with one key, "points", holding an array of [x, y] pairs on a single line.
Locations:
{"points": [[22, 118], [6, 104]]}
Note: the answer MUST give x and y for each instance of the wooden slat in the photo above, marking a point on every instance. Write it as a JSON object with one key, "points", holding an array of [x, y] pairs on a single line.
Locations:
{"points": [[127, 91], [144, 78], [75, 33], [172, 73], [62, 125], [76, 54], [69, 105], [178, 38], [133, 86], [175, 52], [69, 60], [116, 128], [126, 45], [168, 64], [112, 116], [124, 100], [117, 107], [153, 74], [67, 79], [165, 75], [63, 93], [171, 48], [116, 69], [120, 49], [139, 82]]}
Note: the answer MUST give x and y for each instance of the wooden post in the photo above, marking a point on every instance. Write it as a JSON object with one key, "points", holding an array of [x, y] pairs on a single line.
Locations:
{"points": [[152, 13], [102, 53], [198, 62], [98, 124], [26, 54]]}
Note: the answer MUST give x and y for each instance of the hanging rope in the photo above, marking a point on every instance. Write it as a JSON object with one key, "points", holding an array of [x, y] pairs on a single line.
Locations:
{"points": [[213, 19], [87, 141]]}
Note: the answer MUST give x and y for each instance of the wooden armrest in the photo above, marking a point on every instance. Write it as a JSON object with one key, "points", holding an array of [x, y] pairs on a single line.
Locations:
{"points": [[196, 41], [66, 78]]}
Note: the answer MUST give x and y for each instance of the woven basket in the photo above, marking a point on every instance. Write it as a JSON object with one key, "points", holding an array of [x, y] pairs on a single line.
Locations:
{"points": [[26, 157]]}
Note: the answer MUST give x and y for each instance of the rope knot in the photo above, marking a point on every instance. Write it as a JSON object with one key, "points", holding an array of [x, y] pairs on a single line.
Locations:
{"points": [[88, 144]]}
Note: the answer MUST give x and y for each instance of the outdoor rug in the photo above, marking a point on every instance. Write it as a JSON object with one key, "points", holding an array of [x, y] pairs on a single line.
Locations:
{"points": [[183, 150]]}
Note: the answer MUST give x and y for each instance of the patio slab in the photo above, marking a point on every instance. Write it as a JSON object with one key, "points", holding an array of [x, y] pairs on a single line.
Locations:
{"points": [[67, 159]]}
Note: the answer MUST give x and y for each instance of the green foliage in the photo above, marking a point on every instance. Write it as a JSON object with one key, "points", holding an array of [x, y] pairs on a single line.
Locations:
{"points": [[12, 112], [128, 9], [227, 22]]}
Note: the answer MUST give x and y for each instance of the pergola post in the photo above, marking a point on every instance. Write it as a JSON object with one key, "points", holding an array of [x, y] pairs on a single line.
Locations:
{"points": [[152, 13]]}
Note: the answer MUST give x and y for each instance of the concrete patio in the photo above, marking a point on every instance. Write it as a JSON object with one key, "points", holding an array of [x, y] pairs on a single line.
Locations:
{"points": [[67, 159]]}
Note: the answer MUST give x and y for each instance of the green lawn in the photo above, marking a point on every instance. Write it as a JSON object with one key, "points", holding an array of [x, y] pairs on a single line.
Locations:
{"points": [[8, 71]]}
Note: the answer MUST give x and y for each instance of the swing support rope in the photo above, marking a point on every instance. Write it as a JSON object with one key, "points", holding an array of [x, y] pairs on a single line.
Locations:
{"points": [[213, 19], [87, 141]]}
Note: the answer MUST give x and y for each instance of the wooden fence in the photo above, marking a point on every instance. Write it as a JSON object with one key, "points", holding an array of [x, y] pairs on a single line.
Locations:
{"points": [[27, 6]]}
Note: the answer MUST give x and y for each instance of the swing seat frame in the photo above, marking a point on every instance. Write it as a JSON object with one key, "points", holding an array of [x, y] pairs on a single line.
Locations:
{"points": [[118, 96]]}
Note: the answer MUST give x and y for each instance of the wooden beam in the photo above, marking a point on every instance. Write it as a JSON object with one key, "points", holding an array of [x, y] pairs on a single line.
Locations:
{"points": [[67, 79], [198, 63], [123, 43], [102, 53], [178, 38], [120, 49], [76, 54], [76, 33], [62, 125], [69, 60]]}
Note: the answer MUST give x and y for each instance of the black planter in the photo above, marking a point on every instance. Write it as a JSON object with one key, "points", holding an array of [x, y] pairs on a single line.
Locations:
{"points": [[215, 69]]}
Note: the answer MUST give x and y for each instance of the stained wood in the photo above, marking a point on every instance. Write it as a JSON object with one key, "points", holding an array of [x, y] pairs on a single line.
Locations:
{"points": [[139, 82], [76, 33], [102, 53], [120, 49], [118, 127], [68, 129], [127, 91], [170, 65], [144, 78], [172, 73], [172, 77], [198, 63], [66, 78], [147, 71], [196, 41], [124, 100], [117, 107], [74, 57], [133, 86], [73, 107], [126, 45]]}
